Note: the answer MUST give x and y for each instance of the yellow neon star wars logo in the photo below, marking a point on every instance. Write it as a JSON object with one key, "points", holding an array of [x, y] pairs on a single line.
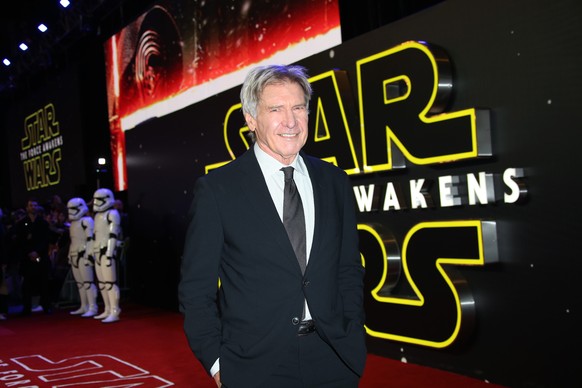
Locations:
{"points": [[40, 150]]}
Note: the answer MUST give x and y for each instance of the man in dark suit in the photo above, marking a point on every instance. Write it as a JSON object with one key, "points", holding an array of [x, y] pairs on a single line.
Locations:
{"points": [[272, 322], [32, 241]]}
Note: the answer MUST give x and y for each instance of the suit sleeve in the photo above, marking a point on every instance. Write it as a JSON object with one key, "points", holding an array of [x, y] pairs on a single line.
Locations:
{"points": [[199, 275], [351, 270]]}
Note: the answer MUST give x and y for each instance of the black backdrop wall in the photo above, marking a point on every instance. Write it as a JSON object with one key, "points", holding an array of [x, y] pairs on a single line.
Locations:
{"points": [[518, 309]]}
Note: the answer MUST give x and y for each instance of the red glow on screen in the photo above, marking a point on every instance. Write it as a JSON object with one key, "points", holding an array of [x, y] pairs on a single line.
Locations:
{"points": [[167, 52]]}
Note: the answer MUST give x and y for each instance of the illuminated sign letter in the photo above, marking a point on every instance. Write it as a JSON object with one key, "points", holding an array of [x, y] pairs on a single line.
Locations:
{"points": [[235, 133], [329, 128], [434, 290], [402, 94]]}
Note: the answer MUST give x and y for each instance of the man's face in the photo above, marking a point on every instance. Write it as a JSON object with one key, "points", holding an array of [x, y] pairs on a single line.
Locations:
{"points": [[31, 207], [281, 123]]}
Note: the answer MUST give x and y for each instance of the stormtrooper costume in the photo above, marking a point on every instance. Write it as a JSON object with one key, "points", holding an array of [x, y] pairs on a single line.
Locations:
{"points": [[81, 233], [107, 233]]}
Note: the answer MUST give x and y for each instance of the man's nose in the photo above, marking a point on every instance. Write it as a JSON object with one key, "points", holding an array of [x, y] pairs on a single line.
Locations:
{"points": [[289, 119]]}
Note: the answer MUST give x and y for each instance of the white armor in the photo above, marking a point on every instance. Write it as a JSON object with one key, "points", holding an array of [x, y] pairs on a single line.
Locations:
{"points": [[107, 234], [80, 249]]}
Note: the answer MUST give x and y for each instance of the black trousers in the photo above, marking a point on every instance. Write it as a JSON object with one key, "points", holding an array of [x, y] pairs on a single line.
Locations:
{"points": [[35, 281], [311, 363]]}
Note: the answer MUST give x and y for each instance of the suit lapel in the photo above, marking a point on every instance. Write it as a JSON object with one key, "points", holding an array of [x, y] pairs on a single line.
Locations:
{"points": [[259, 199], [318, 196]]}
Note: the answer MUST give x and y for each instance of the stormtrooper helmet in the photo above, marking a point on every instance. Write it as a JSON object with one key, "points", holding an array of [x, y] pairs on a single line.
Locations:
{"points": [[77, 208], [102, 200]]}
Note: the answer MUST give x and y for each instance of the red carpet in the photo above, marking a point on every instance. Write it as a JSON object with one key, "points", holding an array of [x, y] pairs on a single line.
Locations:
{"points": [[147, 348]]}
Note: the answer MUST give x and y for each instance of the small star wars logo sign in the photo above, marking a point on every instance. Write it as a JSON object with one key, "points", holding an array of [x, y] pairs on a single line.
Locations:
{"points": [[95, 370], [41, 149]]}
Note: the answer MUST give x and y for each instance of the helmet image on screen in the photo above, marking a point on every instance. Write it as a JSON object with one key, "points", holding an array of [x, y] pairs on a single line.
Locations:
{"points": [[155, 71]]}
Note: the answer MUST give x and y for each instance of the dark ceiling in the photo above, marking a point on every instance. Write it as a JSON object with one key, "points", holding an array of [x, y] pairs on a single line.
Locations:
{"points": [[80, 26]]}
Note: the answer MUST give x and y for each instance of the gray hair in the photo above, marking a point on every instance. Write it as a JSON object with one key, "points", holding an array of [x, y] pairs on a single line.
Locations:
{"points": [[260, 77]]}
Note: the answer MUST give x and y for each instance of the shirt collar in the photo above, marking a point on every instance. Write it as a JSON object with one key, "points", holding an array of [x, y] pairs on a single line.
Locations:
{"points": [[270, 165]]}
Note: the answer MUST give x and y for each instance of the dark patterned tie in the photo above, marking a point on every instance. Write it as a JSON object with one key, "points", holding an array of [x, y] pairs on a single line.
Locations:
{"points": [[293, 218]]}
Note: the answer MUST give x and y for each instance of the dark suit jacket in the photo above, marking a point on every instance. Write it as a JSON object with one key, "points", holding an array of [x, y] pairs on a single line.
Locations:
{"points": [[236, 234]]}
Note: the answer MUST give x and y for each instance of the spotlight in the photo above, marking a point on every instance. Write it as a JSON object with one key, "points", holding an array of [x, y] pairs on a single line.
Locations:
{"points": [[6, 62], [101, 167], [42, 28], [65, 3], [23, 46]]}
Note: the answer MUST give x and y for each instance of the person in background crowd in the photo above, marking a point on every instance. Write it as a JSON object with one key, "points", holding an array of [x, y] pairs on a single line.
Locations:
{"points": [[58, 251], [275, 322], [32, 237], [55, 205], [13, 277], [3, 270]]}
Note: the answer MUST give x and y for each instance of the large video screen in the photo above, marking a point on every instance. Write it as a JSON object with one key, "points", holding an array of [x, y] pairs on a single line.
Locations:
{"points": [[181, 52]]}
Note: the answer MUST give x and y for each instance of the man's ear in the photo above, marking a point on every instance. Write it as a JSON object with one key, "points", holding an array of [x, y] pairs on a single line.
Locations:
{"points": [[251, 122]]}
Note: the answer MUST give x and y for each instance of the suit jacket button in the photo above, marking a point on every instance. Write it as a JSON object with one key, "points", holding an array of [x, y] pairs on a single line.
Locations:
{"points": [[306, 283], [295, 321]]}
